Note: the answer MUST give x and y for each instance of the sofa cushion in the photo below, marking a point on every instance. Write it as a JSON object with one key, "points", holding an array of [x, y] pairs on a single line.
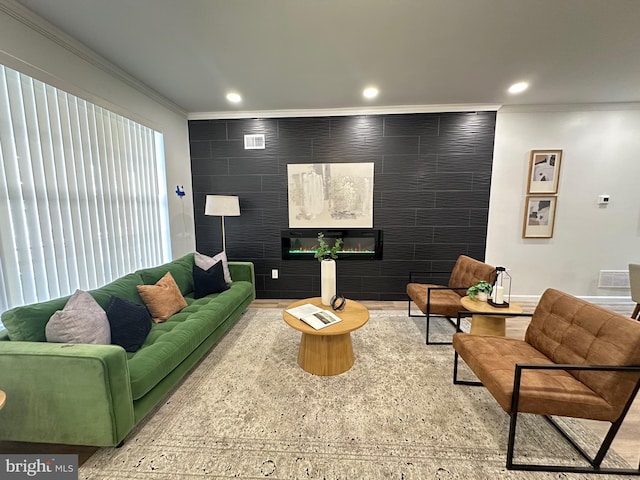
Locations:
{"points": [[205, 262], [206, 282], [162, 299], [81, 320], [169, 343], [181, 271], [27, 323], [123, 287], [130, 323]]}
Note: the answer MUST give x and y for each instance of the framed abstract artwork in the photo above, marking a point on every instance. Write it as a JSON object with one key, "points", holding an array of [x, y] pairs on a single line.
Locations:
{"points": [[539, 216], [544, 171]]}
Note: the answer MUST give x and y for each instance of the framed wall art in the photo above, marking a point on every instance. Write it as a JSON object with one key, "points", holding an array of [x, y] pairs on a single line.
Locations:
{"points": [[544, 171], [330, 195], [539, 216]]}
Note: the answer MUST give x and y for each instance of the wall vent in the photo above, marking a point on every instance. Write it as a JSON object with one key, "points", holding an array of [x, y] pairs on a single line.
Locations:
{"points": [[254, 142], [613, 279]]}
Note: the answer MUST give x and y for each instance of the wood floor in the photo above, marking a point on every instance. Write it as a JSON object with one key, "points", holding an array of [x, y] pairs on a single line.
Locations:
{"points": [[627, 442]]}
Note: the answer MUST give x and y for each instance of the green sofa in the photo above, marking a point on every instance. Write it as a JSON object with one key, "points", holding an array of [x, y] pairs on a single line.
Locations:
{"points": [[87, 394]]}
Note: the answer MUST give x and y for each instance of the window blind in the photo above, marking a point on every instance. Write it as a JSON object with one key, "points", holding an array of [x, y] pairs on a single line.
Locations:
{"points": [[83, 196]]}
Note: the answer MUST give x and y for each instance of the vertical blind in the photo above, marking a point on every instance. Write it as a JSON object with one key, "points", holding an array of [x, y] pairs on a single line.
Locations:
{"points": [[82, 193]]}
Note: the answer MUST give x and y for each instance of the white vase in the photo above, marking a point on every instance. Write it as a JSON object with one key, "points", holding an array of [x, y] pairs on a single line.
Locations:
{"points": [[327, 280], [482, 296]]}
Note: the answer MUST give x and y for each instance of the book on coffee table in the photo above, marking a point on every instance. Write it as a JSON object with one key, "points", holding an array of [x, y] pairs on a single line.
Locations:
{"points": [[316, 317]]}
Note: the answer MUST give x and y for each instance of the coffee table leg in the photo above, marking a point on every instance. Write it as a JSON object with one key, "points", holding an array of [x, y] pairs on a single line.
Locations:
{"points": [[325, 354], [487, 325]]}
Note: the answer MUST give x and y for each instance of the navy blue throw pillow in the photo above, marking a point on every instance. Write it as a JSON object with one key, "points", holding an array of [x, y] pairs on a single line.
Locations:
{"points": [[206, 282], [130, 323]]}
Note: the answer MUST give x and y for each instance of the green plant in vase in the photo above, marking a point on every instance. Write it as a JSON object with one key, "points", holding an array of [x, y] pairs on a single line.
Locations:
{"points": [[323, 252], [480, 290]]}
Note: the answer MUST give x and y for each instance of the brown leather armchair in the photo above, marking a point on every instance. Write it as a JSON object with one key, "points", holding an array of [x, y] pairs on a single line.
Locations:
{"points": [[443, 300]]}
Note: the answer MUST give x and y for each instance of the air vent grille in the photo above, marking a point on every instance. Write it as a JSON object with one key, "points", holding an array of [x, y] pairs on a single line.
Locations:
{"points": [[613, 279], [254, 142]]}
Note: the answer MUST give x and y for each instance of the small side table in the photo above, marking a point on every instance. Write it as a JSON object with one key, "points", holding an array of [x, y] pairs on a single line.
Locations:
{"points": [[488, 324], [3, 399]]}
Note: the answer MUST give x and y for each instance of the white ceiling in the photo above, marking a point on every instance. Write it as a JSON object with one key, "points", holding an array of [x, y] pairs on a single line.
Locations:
{"points": [[312, 54]]}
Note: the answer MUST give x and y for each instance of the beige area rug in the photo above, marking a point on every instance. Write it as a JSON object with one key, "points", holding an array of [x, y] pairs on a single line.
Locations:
{"points": [[249, 411]]}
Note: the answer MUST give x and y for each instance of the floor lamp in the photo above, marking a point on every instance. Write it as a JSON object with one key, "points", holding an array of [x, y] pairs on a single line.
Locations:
{"points": [[222, 206]]}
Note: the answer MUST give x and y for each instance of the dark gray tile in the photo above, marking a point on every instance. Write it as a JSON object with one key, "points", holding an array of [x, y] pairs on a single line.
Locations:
{"points": [[357, 128], [403, 164], [207, 130], [253, 166], [458, 234], [209, 166], [441, 251], [419, 124], [200, 149], [457, 217], [395, 216], [314, 127], [446, 181], [235, 185]]}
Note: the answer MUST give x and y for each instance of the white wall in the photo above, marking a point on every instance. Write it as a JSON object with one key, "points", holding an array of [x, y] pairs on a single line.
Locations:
{"points": [[601, 155], [27, 47]]}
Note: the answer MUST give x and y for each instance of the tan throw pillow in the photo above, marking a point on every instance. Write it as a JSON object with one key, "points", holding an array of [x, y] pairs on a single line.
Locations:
{"points": [[162, 299]]}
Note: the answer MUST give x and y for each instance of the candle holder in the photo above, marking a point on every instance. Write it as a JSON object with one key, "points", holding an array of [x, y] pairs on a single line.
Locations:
{"points": [[501, 289]]}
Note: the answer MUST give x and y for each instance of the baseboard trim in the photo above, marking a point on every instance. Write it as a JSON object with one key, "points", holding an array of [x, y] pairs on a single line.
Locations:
{"points": [[595, 299]]}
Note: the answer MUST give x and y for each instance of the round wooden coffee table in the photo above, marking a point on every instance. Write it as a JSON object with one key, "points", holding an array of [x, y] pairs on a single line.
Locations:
{"points": [[488, 324], [328, 351]]}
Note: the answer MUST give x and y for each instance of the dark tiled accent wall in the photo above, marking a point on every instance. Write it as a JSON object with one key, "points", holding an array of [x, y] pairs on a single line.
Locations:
{"points": [[431, 194]]}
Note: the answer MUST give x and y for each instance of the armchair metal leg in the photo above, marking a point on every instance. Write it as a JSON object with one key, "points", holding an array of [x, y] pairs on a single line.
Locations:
{"points": [[455, 374], [428, 341], [594, 463]]}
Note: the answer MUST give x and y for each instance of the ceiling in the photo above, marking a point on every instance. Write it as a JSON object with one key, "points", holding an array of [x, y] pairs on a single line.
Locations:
{"points": [[306, 54]]}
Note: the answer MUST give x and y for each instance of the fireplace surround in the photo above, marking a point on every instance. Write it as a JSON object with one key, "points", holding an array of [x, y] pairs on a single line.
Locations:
{"points": [[297, 244]]}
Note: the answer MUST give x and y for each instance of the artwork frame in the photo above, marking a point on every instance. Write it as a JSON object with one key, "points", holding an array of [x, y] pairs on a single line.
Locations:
{"points": [[330, 195], [544, 171], [539, 216]]}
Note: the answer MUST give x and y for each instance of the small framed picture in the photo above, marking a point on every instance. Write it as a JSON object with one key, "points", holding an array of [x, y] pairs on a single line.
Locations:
{"points": [[539, 216], [544, 171]]}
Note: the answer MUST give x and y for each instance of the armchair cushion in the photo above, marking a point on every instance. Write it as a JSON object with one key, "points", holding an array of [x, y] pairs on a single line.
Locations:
{"points": [[468, 271], [542, 392], [443, 301]]}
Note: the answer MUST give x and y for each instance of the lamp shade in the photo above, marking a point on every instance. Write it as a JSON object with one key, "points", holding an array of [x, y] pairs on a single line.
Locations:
{"points": [[222, 206]]}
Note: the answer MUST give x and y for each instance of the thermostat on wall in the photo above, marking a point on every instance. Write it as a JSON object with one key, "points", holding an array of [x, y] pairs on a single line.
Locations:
{"points": [[603, 199]]}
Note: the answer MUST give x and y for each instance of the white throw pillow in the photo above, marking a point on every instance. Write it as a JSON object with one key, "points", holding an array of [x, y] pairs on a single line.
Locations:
{"points": [[81, 321], [205, 263]]}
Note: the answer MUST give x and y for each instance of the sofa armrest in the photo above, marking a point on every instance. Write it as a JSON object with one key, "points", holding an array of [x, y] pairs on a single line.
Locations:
{"points": [[242, 271], [75, 394]]}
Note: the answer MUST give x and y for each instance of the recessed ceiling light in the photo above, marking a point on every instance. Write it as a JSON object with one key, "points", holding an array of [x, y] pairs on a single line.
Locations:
{"points": [[234, 97], [370, 92], [518, 87]]}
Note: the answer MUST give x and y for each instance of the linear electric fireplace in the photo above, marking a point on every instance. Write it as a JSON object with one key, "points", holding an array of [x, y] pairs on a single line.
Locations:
{"points": [[297, 244]]}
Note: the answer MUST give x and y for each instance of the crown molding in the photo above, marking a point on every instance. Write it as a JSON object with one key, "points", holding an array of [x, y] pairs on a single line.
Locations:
{"points": [[570, 107], [347, 111], [38, 24]]}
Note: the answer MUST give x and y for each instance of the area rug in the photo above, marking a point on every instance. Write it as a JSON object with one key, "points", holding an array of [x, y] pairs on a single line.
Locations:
{"points": [[249, 411]]}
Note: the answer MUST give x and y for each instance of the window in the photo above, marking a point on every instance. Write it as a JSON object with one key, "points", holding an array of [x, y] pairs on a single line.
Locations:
{"points": [[82, 193]]}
